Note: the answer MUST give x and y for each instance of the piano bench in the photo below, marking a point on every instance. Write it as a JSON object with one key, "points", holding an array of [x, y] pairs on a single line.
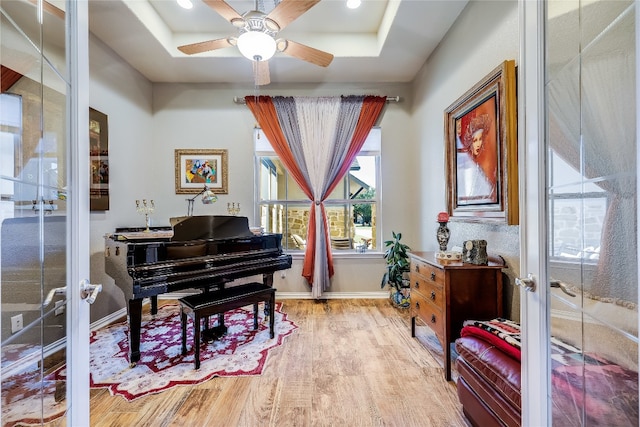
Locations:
{"points": [[201, 306]]}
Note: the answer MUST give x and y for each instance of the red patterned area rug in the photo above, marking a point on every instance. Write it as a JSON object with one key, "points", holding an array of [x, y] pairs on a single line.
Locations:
{"points": [[241, 351], [28, 398]]}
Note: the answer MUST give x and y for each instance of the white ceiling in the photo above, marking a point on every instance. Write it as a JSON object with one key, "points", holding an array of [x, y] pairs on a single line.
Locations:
{"points": [[382, 41]]}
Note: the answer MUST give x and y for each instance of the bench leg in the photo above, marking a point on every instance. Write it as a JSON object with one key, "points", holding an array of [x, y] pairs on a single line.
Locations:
{"points": [[413, 326], [196, 341], [183, 325], [272, 317], [255, 316]]}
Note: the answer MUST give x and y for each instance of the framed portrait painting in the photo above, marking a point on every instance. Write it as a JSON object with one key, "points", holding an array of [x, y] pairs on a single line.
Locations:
{"points": [[98, 161], [201, 167], [481, 150]]}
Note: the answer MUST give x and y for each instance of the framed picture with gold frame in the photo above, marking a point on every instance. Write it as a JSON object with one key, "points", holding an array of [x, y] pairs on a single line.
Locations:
{"points": [[481, 150], [197, 168]]}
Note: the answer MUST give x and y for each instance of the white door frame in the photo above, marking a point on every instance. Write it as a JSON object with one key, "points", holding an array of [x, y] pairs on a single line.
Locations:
{"points": [[534, 316], [78, 247]]}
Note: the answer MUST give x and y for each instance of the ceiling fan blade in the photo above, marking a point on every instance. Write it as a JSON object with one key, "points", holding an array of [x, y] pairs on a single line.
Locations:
{"points": [[206, 46], [223, 9], [288, 10], [307, 53], [50, 8], [261, 73]]}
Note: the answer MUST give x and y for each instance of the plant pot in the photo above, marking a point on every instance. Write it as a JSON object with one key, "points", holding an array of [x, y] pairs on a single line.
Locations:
{"points": [[401, 298]]}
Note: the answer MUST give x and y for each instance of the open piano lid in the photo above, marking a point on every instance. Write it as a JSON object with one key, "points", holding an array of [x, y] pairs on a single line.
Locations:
{"points": [[209, 227]]}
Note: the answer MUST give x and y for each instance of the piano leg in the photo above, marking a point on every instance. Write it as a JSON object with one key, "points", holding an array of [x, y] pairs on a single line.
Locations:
{"points": [[154, 304], [135, 321], [267, 279]]}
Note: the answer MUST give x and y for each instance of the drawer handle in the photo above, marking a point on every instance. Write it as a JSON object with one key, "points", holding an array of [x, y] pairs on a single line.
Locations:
{"points": [[433, 318], [433, 275], [433, 296], [417, 306], [417, 269], [417, 285]]}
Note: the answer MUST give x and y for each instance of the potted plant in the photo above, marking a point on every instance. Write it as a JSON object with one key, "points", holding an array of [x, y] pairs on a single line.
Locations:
{"points": [[397, 269]]}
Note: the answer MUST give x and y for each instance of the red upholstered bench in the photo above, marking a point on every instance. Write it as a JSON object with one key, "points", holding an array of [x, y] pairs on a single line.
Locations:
{"points": [[488, 367], [201, 306], [489, 379], [488, 383]]}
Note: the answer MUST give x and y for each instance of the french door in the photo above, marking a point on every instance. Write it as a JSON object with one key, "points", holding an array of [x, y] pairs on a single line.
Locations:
{"points": [[44, 211], [579, 161]]}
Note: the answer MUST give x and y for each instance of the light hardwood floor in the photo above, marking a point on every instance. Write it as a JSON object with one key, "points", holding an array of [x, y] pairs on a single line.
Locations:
{"points": [[350, 363]]}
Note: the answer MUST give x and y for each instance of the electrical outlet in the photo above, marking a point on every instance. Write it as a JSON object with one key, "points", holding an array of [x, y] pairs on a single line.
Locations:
{"points": [[17, 323], [59, 308]]}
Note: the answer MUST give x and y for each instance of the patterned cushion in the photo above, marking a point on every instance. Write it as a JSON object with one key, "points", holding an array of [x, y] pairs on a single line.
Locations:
{"points": [[502, 333]]}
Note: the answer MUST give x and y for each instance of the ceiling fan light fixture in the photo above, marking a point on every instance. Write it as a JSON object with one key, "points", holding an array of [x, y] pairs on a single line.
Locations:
{"points": [[186, 4], [353, 4], [256, 45]]}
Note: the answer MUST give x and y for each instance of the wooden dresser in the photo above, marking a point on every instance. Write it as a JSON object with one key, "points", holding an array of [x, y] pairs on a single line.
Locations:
{"points": [[444, 295]]}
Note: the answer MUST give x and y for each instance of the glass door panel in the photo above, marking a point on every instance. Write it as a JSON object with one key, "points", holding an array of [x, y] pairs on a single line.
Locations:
{"points": [[591, 178], [33, 235]]}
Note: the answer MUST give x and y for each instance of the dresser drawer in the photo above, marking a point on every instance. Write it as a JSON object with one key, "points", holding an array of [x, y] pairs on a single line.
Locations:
{"points": [[444, 295], [428, 290], [427, 271], [429, 313]]}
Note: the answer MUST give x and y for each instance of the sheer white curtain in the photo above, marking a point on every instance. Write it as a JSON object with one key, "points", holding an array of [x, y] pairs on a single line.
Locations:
{"points": [[592, 127], [317, 139]]}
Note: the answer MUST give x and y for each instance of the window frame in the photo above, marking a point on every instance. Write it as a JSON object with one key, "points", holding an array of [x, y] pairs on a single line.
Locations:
{"points": [[261, 150], [580, 195]]}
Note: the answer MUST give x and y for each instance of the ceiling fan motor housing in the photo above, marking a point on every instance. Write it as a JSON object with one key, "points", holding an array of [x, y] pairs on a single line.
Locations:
{"points": [[257, 36]]}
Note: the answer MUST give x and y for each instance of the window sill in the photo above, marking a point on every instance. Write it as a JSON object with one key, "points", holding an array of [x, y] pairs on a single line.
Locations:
{"points": [[344, 255]]}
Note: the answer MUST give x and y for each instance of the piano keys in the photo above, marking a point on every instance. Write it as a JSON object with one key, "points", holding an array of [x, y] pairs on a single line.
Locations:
{"points": [[197, 252]]}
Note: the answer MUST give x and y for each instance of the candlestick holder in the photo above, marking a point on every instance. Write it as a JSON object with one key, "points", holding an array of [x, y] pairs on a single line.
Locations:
{"points": [[232, 209], [145, 208]]}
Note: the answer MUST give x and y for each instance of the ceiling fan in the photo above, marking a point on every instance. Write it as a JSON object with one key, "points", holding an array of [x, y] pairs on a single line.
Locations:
{"points": [[257, 36]]}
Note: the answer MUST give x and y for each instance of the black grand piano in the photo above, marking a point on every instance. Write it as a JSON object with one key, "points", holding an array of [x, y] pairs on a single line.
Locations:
{"points": [[200, 252]]}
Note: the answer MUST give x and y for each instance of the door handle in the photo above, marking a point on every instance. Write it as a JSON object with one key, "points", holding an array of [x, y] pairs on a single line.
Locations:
{"points": [[563, 287], [528, 283], [89, 292], [52, 293]]}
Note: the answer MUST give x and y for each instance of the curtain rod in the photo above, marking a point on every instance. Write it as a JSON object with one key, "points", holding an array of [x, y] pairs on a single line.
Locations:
{"points": [[240, 100]]}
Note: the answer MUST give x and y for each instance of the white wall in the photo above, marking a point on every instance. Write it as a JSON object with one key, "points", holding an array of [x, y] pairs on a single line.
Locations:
{"points": [[147, 122], [197, 116], [121, 93], [484, 35]]}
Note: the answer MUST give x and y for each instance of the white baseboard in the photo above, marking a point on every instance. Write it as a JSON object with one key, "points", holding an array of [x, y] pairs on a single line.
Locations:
{"points": [[107, 320], [333, 295]]}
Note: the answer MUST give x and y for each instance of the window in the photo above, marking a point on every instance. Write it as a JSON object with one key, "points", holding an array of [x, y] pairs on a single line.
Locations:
{"points": [[577, 210], [351, 208], [10, 134]]}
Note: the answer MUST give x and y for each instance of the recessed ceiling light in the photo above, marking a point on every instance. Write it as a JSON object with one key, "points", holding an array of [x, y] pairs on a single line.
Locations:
{"points": [[353, 4], [185, 3]]}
